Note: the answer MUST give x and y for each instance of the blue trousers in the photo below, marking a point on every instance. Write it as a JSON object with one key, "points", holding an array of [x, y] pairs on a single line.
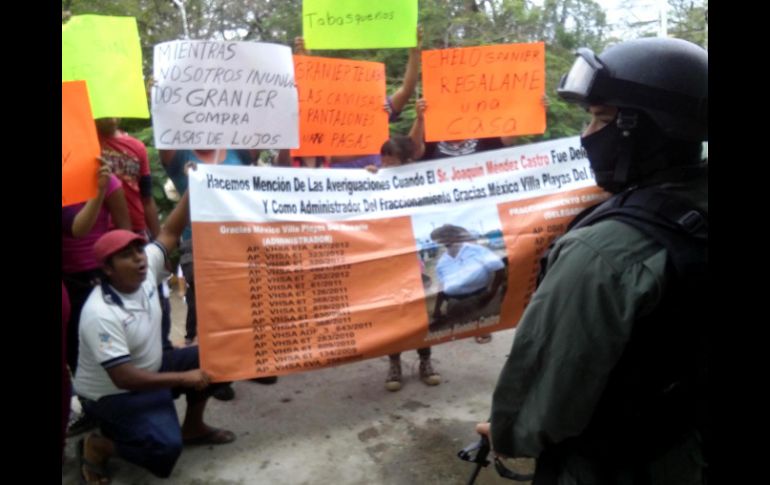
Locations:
{"points": [[144, 424]]}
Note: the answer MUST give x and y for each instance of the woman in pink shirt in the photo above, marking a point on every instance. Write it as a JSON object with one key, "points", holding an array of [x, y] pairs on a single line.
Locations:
{"points": [[79, 267]]}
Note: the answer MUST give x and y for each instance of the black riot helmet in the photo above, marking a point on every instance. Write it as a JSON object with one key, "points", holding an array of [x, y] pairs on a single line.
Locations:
{"points": [[660, 89], [665, 78]]}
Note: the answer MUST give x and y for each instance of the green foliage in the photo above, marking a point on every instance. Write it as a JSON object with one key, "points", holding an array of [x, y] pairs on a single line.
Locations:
{"points": [[688, 20]]}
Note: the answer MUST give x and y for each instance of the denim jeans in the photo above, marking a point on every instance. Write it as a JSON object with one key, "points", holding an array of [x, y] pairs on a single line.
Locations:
{"points": [[144, 424]]}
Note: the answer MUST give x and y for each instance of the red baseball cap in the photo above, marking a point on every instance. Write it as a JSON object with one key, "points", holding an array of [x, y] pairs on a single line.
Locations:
{"points": [[113, 241]]}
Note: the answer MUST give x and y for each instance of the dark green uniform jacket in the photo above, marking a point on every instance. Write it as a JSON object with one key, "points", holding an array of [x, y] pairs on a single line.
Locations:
{"points": [[600, 280]]}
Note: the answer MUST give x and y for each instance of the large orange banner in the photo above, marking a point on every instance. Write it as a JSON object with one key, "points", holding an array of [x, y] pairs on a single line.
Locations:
{"points": [[79, 145], [480, 92], [300, 269], [341, 106]]}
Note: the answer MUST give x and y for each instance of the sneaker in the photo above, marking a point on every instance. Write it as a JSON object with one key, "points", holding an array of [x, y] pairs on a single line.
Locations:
{"points": [[80, 424], [393, 381], [224, 393], [427, 374], [265, 380]]}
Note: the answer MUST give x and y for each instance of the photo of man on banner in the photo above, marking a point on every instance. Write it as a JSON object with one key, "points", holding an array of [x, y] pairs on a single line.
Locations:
{"points": [[465, 277]]}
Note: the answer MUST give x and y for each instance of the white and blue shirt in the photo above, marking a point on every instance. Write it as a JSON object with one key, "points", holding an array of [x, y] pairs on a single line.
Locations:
{"points": [[471, 270], [116, 328]]}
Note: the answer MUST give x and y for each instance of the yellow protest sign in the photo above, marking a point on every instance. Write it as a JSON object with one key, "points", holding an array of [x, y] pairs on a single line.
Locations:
{"points": [[353, 24], [106, 53]]}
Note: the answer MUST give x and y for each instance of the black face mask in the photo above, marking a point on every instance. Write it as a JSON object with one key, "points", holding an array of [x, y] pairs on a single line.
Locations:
{"points": [[621, 156], [603, 148]]}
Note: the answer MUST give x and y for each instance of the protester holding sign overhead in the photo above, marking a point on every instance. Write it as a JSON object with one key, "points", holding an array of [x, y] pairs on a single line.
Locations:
{"points": [[79, 223], [104, 53], [79, 267]]}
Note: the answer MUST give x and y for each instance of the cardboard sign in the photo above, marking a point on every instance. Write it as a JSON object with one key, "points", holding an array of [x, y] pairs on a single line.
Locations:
{"points": [[218, 94], [341, 106], [106, 53], [355, 24], [79, 145], [481, 92]]}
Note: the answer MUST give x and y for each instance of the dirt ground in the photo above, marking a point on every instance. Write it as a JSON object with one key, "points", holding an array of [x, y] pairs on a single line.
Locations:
{"points": [[340, 426]]}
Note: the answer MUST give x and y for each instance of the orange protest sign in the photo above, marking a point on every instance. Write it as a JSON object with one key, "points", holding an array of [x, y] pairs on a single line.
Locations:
{"points": [[341, 106], [79, 145], [480, 92]]}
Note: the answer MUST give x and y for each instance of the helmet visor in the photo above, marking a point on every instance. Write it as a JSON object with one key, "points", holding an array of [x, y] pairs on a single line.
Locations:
{"points": [[577, 84]]}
